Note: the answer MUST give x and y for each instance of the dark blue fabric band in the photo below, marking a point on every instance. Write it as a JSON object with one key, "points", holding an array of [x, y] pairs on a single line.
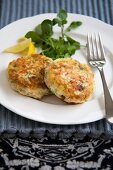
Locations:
{"points": [[11, 10]]}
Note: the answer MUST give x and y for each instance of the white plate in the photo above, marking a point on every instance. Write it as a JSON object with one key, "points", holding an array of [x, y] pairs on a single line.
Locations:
{"points": [[51, 109]]}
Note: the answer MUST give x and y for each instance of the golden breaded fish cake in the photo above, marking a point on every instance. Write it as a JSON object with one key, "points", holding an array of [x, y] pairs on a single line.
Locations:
{"points": [[70, 80], [26, 75]]}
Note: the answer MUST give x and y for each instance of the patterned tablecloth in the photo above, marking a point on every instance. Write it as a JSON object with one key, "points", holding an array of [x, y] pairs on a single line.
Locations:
{"points": [[45, 146], [47, 152]]}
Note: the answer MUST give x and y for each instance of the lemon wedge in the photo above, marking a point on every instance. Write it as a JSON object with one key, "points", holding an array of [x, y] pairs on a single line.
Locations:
{"points": [[24, 46], [31, 49]]}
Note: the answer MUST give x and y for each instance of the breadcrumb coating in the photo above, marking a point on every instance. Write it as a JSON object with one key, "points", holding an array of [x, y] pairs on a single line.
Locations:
{"points": [[26, 75], [70, 80]]}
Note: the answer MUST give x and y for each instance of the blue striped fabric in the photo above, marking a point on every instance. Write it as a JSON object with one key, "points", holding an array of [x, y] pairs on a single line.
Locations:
{"points": [[11, 10]]}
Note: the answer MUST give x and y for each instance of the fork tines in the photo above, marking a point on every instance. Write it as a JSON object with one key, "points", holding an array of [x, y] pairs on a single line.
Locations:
{"points": [[95, 48]]}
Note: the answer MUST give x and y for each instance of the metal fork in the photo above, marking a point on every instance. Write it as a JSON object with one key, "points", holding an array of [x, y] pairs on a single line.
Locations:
{"points": [[96, 58]]}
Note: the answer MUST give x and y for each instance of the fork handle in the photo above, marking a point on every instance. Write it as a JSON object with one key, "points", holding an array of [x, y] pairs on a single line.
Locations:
{"points": [[108, 98]]}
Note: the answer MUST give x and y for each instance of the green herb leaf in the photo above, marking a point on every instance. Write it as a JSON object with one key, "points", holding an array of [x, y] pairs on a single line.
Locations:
{"points": [[72, 41], [73, 25], [59, 22], [55, 21], [34, 36], [62, 14], [46, 27], [38, 29], [61, 18]]}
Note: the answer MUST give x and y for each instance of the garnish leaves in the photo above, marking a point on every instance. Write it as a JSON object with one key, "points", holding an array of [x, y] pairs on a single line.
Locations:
{"points": [[46, 27], [43, 37], [73, 25]]}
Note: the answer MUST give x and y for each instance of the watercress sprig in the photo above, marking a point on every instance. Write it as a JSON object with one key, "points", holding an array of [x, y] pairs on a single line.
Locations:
{"points": [[64, 46]]}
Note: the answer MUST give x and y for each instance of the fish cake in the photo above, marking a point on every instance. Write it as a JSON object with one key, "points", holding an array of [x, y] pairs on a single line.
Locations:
{"points": [[26, 75], [70, 80]]}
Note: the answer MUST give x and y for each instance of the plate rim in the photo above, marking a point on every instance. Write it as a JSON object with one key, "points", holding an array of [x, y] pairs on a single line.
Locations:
{"points": [[79, 15]]}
